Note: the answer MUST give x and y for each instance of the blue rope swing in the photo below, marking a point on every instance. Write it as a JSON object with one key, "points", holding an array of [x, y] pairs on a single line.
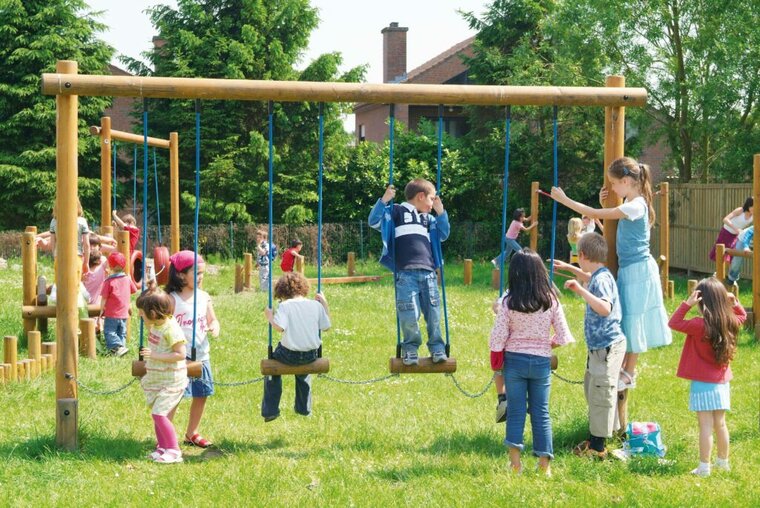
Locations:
{"points": [[195, 221], [505, 193], [319, 208], [389, 211], [555, 183], [270, 108], [438, 192], [158, 206]]}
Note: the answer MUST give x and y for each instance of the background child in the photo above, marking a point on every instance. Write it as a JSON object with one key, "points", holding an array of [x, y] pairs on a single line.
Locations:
{"points": [[589, 226], [180, 288], [644, 318], [604, 338], [83, 237], [117, 289], [733, 223], [300, 321], [512, 233], [128, 224], [95, 271], [166, 372], [415, 236], [290, 255], [521, 346], [574, 232], [262, 258], [744, 241], [709, 347]]}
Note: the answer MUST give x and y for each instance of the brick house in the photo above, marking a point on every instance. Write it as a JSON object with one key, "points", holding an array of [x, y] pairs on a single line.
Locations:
{"points": [[445, 68]]}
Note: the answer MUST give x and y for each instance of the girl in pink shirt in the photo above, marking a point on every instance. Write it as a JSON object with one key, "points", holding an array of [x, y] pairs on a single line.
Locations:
{"points": [[511, 237], [521, 345], [709, 347]]}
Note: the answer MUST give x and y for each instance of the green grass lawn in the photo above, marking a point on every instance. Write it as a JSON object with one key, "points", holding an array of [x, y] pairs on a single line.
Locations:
{"points": [[409, 440]]}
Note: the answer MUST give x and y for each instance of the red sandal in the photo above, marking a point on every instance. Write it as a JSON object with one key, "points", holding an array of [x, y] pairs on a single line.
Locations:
{"points": [[198, 440]]}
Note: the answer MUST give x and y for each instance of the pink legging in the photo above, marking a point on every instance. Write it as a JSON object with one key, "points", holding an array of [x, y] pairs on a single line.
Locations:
{"points": [[165, 434]]}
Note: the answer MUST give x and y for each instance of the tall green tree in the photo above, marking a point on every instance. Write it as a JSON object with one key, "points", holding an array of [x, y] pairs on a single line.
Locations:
{"points": [[245, 39], [525, 42], [34, 34], [700, 63]]}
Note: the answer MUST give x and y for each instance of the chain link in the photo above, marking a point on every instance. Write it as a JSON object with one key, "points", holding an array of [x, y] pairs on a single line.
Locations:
{"points": [[567, 380], [354, 382], [240, 383], [465, 392], [100, 392]]}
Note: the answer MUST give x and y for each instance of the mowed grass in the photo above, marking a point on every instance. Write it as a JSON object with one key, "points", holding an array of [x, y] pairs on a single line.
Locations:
{"points": [[413, 440]]}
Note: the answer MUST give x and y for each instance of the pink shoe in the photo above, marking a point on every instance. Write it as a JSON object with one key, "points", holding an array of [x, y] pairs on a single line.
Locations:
{"points": [[155, 454]]}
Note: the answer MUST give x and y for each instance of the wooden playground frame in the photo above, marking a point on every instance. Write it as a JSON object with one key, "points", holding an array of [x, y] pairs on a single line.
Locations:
{"points": [[67, 85]]}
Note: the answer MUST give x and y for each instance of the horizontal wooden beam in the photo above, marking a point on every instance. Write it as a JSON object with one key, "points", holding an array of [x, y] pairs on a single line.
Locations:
{"points": [[739, 253], [309, 91], [275, 368], [49, 311], [425, 366], [132, 138], [347, 280]]}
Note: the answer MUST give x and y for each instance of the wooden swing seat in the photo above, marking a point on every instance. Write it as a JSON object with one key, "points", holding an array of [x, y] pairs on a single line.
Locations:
{"points": [[426, 366], [193, 368], [275, 368]]}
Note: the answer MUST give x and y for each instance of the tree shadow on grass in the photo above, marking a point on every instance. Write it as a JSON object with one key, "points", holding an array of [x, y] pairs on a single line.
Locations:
{"points": [[405, 474], [122, 449], [460, 443]]}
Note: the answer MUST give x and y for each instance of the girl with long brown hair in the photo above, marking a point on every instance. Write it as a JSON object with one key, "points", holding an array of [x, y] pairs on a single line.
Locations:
{"points": [[709, 348]]}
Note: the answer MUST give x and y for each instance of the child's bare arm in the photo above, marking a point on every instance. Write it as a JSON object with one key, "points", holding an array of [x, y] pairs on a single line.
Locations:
{"points": [[577, 272], [601, 307], [270, 317], [320, 297], [213, 323], [118, 220]]}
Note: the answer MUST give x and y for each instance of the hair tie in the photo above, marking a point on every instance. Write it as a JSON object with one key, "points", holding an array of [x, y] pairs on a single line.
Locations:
{"points": [[641, 167], [626, 172]]}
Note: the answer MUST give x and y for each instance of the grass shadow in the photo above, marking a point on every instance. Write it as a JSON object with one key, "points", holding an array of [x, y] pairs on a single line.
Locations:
{"points": [[460, 443], [405, 474]]}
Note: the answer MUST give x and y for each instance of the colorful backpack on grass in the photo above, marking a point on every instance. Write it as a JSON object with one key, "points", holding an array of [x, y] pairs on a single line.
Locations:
{"points": [[644, 438]]}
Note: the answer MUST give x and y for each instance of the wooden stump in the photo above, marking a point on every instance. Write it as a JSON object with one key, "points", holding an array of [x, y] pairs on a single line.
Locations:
{"points": [[248, 269], [10, 355], [239, 282], [468, 272], [351, 264]]}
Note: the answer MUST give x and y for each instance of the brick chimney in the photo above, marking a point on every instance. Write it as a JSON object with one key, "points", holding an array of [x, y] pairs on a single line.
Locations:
{"points": [[394, 52]]}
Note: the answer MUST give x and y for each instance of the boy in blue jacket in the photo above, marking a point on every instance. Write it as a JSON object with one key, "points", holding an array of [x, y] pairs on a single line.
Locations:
{"points": [[412, 249]]}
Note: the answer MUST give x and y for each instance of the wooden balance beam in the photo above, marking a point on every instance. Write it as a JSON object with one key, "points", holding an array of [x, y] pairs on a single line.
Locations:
{"points": [[347, 280], [426, 366], [275, 368], [194, 369], [49, 311]]}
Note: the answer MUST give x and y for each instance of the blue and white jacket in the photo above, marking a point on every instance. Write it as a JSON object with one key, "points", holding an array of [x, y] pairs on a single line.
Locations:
{"points": [[414, 237]]}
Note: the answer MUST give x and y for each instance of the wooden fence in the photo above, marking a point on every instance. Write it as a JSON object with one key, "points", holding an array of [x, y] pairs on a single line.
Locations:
{"points": [[696, 216]]}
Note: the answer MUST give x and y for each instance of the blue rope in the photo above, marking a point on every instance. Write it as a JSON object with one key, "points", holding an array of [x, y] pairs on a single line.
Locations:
{"points": [[134, 180], [195, 222], [158, 206], [113, 183], [319, 202], [271, 209], [145, 203], [554, 202], [504, 200], [438, 191], [391, 128]]}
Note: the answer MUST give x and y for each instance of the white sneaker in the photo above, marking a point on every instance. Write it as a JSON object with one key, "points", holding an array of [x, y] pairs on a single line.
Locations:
{"points": [[121, 351], [155, 454], [700, 471], [722, 465]]}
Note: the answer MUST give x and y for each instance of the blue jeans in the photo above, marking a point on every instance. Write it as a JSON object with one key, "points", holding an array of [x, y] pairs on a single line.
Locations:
{"points": [[528, 382], [270, 404], [417, 293], [115, 332], [734, 271], [510, 246]]}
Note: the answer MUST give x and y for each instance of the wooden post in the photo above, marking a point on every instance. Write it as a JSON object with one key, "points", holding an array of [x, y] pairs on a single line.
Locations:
{"points": [[298, 266], [67, 282], [47, 362], [671, 289], [28, 366], [247, 270], [756, 258], [351, 264], [42, 301], [238, 278], [122, 245], [495, 279], [87, 347], [29, 274], [174, 189], [468, 272], [34, 339], [50, 348], [665, 237], [10, 355], [105, 176], [614, 148], [20, 370], [691, 285], [720, 262], [534, 215]]}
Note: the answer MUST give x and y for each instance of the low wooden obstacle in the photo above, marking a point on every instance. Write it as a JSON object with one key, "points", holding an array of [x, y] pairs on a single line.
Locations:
{"points": [[41, 358]]}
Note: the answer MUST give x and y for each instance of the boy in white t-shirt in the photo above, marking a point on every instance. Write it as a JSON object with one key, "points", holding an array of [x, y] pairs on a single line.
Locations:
{"points": [[299, 320]]}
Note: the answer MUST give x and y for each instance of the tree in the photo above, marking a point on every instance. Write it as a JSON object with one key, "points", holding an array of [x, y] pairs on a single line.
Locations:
{"points": [[700, 63], [245, 39], [34, 34]]}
